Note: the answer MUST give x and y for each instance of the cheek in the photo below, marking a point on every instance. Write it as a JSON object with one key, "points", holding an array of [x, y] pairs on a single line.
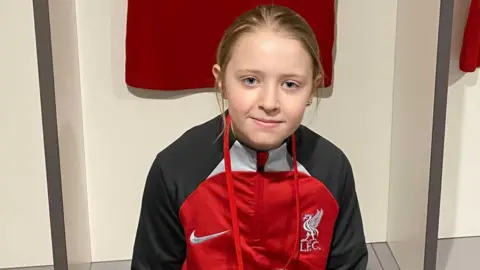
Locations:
{"points": [[239, 100], [294, 109], [238, 106], [296, 113]]}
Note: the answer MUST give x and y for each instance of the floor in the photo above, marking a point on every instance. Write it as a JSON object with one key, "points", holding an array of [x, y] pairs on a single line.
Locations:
{"points": [[453, 254]]}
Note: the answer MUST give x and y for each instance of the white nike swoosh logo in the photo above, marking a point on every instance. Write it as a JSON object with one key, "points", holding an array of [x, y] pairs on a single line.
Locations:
{"points": [[197, 240]]}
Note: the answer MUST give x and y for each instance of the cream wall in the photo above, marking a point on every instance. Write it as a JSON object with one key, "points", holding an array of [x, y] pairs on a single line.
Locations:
{"points": [[124, 130], [24, 216], [412, 125], [459, 214]]}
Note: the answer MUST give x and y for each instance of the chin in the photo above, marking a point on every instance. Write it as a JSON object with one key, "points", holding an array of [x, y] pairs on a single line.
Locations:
{"points": [[266, 142]]}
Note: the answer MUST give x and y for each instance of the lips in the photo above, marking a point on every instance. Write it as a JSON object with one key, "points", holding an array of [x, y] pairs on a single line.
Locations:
{"points": [[269, 123]]}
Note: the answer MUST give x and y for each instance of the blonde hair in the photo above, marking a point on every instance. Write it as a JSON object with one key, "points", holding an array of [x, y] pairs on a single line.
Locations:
{"points": [[276, 18]]}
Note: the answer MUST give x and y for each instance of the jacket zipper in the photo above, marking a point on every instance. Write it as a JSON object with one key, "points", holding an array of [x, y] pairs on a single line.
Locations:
{"points": [[257, 223], [260, 185]]}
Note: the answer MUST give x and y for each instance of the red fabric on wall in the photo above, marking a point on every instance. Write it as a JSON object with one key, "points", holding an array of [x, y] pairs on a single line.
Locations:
{"points": [[171, 45], [470, 54]]}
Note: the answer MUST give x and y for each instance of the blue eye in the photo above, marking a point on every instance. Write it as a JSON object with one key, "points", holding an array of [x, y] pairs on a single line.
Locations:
{"points": [[249, 81], [290, 85]]}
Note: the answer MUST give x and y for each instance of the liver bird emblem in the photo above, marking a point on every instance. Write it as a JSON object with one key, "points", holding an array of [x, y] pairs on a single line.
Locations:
{"points": [[310, 224]]}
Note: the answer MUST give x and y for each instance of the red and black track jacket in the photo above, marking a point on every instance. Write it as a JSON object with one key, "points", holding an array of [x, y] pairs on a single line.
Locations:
{"points": [[212, 203]]}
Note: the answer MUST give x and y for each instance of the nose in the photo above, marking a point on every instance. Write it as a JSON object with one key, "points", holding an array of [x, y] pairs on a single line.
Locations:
{"points": [[269, 99]]}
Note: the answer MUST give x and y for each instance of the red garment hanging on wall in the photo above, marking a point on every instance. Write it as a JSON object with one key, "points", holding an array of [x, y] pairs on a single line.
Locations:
{"points": [[470, 54], [171, 45]]}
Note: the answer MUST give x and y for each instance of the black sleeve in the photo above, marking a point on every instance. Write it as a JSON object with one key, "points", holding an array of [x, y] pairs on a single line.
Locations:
{"points": [[159, 241], [349, 249]]}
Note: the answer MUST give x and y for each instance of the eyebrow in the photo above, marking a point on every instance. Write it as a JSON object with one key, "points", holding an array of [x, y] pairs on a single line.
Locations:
{"points": [[254, 71], [259, 72]]}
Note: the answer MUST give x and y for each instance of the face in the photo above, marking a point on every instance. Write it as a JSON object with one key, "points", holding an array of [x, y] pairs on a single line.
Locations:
{"points": [[268, 84]]}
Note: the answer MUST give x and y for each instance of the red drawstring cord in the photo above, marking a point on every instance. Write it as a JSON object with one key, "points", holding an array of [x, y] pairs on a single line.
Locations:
{"points": [[231, 194], [297, 200], [233, 204]]}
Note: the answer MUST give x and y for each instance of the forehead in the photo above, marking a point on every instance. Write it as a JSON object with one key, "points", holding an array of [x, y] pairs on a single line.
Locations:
{"points": [[271, 53]]}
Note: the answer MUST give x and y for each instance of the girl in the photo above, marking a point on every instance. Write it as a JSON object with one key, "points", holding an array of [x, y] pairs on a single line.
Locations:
{"points": [[253, 188]]}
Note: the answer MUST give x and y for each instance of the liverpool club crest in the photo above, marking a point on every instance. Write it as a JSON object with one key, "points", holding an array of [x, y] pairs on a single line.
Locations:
{"points": [[310, 226]]}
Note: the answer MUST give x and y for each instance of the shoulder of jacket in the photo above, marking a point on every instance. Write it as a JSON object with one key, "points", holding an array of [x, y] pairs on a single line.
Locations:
{"points": [[325, 161], [321, 146], [195, 142]]}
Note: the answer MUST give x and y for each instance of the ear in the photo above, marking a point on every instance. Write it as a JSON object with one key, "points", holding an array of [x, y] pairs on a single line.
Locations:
{"points": [[216, 70], [318, 81], [310, 99], [216, 73]]}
